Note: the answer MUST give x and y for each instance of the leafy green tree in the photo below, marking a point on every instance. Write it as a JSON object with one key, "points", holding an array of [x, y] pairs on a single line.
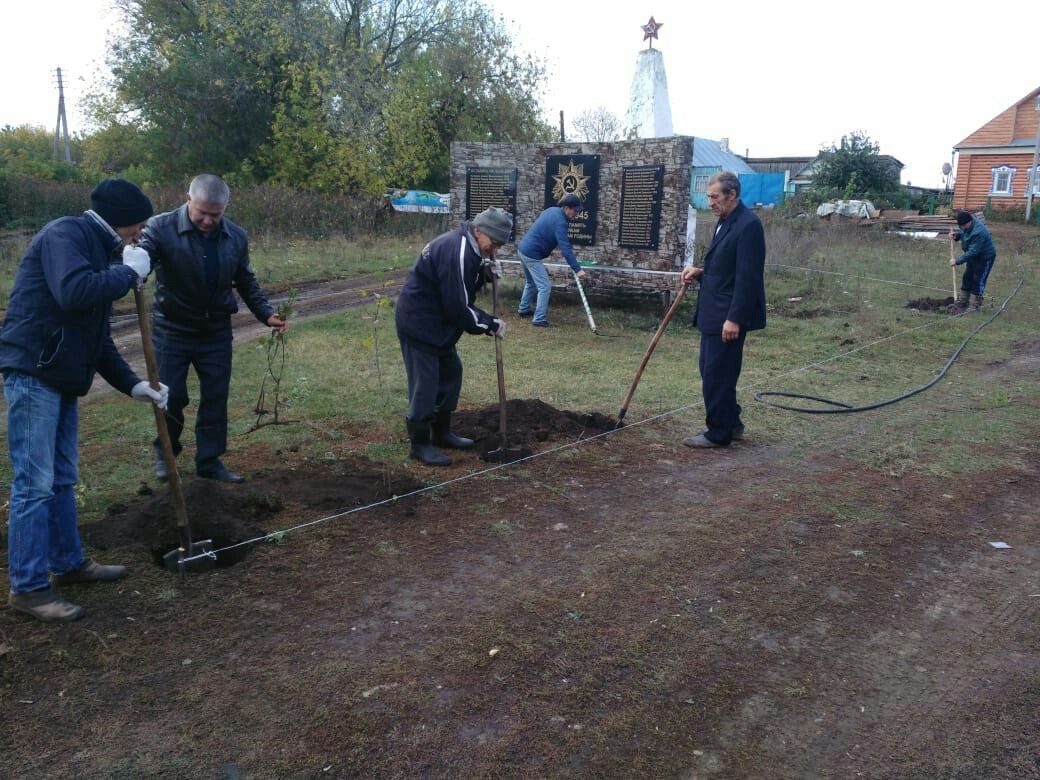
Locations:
{"points": [[855, 166], [29, 151], [350, 95]]}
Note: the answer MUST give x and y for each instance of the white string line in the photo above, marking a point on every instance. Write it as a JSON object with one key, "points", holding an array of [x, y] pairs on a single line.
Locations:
{"points": [[855, 276], [565, 446]]}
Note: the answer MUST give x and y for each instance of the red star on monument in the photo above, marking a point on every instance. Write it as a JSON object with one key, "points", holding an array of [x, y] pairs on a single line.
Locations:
{"points": [[650, 30]]}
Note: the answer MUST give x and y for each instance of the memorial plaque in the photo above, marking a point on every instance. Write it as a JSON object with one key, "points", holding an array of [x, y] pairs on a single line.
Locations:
{"points": [[575, 174], [640, 222], [487, 187]]}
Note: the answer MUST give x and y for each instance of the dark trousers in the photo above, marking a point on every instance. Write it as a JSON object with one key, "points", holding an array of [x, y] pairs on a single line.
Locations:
{"points": [[720, 365], [434, 381], [210, 356], [976, 272]]}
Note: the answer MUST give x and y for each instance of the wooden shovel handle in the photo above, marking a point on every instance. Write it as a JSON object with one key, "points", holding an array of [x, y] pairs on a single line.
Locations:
{"points": [[160, 420], [651, 348]]}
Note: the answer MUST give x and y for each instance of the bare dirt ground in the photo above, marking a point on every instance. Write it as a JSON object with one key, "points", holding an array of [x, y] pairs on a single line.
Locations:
{"points": [[626, 607]]}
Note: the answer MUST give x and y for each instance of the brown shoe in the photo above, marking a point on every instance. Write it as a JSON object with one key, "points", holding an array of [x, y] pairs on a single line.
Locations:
{"points": [[45, 605], [90, 571]]}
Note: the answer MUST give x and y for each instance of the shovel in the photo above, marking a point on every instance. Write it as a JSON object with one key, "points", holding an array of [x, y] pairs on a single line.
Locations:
{"points": [[504, 453], [585, 303], [650, 351], [174, 560]]}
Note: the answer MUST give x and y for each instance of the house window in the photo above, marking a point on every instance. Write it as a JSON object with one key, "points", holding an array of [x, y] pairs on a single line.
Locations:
{"points": [[1002, 178], [700, 183]]}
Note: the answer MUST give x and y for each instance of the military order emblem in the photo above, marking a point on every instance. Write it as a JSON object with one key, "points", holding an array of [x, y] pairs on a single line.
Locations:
{"points": [[570, 181]]}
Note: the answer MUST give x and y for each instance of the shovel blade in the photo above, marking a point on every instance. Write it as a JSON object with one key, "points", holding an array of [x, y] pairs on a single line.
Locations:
{"points": [[180, 561]]}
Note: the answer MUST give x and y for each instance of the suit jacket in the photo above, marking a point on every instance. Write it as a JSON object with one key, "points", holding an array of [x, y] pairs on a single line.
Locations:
{"points": [[733, 284]]}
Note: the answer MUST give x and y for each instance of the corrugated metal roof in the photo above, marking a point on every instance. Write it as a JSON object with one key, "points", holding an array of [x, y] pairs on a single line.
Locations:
{"points": [[709, 154]]}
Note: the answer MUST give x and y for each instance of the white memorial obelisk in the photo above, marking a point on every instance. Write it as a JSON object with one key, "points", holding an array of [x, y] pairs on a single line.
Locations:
{"points": [[649, 112]]}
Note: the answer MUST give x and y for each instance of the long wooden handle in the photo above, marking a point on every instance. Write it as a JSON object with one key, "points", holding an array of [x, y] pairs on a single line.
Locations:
{"points": [[585, 302], [501, 369], [953, 271], [160, 420], [651, 348]]}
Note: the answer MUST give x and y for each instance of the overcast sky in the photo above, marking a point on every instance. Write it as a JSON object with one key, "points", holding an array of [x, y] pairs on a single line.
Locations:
{"points": [[775, 78]]}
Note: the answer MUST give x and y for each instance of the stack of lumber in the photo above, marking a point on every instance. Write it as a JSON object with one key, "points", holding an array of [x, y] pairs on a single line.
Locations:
{"points": [[924, 222]]}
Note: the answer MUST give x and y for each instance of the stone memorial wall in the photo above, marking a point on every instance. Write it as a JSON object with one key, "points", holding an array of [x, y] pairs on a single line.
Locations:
{"points": [[636, 197]]}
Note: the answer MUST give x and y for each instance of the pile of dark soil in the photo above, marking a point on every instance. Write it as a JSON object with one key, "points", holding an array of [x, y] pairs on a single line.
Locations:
{"points": [[929, 304], [528, 422], [229, 514]]}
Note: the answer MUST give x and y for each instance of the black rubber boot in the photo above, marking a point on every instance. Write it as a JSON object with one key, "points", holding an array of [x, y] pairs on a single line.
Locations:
{"points": [[443, 437], [422, 449], [975, 303]]}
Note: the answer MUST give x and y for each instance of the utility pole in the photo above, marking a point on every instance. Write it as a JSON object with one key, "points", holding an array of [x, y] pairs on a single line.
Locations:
{"points": [[61, 130], [563, 137], [1032, 171]]}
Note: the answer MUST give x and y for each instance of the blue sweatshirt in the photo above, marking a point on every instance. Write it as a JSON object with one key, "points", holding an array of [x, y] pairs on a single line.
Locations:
{"points": [[547, 233], [977, 244]]}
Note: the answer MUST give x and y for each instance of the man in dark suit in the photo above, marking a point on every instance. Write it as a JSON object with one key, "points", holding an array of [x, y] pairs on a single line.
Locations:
{"points": [[732, 301]]}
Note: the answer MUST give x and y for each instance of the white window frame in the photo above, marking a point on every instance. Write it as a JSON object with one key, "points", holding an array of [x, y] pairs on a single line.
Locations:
{"points": [[1003, 170], [700, 182]]}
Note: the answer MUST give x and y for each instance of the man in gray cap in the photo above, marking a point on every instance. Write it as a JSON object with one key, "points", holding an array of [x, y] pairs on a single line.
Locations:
{"points": [[547, 233], [434, 309], [54, 338]]}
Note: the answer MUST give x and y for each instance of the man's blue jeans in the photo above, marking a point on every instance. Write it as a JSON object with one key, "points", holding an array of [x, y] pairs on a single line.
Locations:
{"points": [[537, 279], [41, 439]]}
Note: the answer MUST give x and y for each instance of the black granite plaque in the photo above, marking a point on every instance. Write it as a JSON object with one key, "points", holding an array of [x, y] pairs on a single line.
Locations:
{"points": [[575, 174], [491, 187], [640, 222]]}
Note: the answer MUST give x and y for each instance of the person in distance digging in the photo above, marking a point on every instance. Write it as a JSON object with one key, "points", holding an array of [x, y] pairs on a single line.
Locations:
{"points": [[55, 337], [435, 307], [977, 256], [547, 233]]}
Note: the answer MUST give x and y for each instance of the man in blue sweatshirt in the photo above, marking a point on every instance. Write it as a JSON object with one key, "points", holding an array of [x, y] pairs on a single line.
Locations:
{"points": [[547, 233], [978, 256]]}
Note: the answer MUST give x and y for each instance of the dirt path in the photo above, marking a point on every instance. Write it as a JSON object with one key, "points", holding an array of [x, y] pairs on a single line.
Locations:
{"points": [[312, 300]]}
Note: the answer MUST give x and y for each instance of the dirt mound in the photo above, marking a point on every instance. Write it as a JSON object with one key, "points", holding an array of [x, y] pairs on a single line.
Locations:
{"points": [[528, 422], [229, 514], [929, 304]]}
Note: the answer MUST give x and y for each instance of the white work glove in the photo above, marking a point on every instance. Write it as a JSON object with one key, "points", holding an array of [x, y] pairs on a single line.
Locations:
{"points": [[138, 259], [143, 391], [501, 332]]}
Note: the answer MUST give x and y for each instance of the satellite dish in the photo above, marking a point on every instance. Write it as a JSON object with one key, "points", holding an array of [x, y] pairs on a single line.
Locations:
{"points": [[946, 169]]}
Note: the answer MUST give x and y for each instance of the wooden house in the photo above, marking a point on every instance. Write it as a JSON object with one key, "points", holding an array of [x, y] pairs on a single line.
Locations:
{"points": [[994, 162]]}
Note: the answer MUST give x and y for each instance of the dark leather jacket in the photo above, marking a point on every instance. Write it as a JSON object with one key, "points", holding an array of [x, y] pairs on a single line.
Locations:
{"points": [[184, 302], [56, 328]]}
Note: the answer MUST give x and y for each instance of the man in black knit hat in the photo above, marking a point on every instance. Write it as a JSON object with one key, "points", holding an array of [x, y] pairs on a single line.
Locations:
{"points": [[54, 338]]}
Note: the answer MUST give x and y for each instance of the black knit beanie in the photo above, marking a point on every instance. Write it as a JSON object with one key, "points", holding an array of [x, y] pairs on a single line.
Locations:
{"points": [[120, 203]]}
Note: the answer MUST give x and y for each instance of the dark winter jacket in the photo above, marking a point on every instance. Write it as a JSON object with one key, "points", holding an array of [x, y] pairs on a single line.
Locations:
{"points": [[733, 284], [184, 302], [436, 303], [56, 328], [548, 232], [977, 244]]}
